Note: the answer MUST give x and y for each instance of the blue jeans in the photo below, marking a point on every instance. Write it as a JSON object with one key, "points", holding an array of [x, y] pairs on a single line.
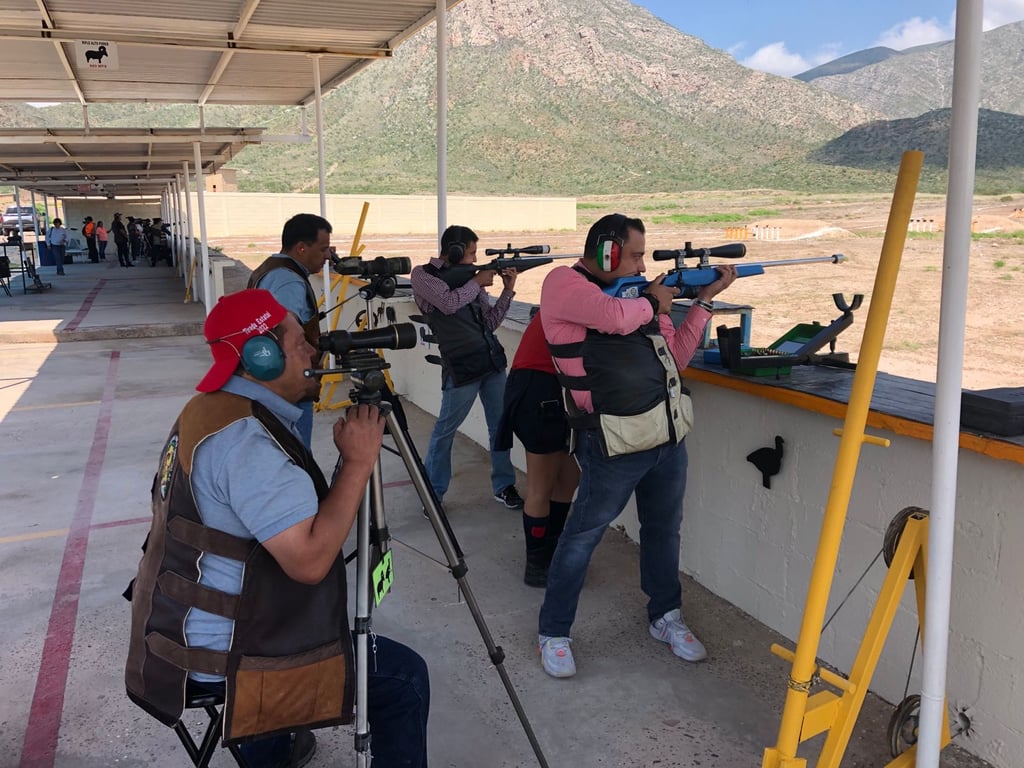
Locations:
{"points": [[658, 477], [398, 698], [58, 257], [455, 405], [305, 423]]}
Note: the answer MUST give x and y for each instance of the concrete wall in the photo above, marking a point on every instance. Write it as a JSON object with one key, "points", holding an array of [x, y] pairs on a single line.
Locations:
{"points": [[232, 214], [755, 547]]}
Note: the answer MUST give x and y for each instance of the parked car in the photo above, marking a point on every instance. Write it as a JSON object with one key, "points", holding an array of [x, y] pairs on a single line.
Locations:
{"points": [[26, 214]]}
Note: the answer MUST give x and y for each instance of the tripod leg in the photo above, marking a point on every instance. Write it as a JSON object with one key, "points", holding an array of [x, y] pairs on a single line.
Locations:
{"points": [[456, 564], [371, 510]]}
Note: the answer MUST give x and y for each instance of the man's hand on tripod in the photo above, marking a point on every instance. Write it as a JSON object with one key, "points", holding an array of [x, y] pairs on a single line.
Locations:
{"points": [[359, 434]]}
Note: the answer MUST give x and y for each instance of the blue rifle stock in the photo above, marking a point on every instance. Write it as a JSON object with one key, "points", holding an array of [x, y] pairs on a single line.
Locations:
{"points": [[689, 280]]}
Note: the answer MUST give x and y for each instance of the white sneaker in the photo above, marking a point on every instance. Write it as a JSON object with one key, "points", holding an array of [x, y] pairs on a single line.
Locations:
{"points": [[556, 656], [671, 629]]}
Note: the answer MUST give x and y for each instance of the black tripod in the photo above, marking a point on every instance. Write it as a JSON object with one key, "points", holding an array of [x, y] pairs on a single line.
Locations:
{"points": [[370, 387]]}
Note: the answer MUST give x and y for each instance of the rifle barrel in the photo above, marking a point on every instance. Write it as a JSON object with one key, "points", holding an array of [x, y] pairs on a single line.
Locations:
{"points": [[835, 258]]}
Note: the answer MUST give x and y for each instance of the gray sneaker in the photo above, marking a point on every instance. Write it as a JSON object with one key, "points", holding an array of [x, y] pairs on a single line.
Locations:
{"points": [[556, 656], [671, 629]]}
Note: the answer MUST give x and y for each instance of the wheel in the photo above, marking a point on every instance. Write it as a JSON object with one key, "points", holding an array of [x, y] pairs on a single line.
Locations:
{"points": [[895, 530], [903, 724]]}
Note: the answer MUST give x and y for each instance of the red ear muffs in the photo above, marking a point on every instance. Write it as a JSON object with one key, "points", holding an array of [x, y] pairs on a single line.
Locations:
{"points": [[609, 251]]}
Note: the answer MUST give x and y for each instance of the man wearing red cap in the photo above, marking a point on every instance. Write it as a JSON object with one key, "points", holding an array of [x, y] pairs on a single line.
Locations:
{"points": [[241, 589]]}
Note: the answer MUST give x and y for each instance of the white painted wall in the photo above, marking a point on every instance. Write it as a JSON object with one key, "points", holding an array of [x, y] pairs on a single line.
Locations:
{"points": [[754, 547]]}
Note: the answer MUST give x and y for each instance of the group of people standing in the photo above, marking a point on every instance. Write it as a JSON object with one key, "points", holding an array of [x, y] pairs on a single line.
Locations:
{"points": [[595, 395], [134, 239]]}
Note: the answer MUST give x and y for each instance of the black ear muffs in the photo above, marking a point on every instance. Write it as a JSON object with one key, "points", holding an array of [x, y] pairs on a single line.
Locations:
{"points": [[456, 253], [263, 358]]}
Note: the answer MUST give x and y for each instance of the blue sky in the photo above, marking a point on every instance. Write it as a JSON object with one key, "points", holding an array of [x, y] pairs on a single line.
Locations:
{"points": [[787, 37]]}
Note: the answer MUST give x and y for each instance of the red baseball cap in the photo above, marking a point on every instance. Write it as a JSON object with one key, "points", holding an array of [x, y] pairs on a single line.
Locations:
{"points": [[235, 319]]}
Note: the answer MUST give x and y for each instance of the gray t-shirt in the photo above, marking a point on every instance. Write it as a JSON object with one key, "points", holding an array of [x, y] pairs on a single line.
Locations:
{"points": [[290, 290], [245, 485]]}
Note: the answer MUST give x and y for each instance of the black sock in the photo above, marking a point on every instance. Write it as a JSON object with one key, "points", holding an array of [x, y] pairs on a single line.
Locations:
{"points": [[559, 511], [535, 530]]}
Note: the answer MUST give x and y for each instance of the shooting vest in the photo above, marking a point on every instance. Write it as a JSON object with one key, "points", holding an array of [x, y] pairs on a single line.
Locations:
{"points": [[634, 383], [469, 349], [290, 657], [312, 326]]}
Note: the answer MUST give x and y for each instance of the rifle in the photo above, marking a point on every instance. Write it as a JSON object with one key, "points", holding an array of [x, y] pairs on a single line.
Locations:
{"points": [[457, 275], [690, 279]]}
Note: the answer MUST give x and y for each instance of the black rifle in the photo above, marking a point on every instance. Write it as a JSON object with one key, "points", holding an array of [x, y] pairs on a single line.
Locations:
{"points": [[457, 275]]}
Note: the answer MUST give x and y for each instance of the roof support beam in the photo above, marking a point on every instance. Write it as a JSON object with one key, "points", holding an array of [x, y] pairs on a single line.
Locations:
{"points": [[225, 58], [48, 22], [70, 35], [20, 161], [74, 138]]}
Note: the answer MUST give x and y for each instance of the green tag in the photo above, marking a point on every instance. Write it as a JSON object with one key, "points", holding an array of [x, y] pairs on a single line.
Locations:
{"points": [[383, 578]]}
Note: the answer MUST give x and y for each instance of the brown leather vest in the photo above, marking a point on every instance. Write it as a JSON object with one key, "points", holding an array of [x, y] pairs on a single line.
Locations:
{"points": [[290, 660], [312, 326]]}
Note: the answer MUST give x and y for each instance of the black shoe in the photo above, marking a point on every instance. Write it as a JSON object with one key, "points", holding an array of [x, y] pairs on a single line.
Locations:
{"points": [[303, 749], [510, 498], [538, 561]]}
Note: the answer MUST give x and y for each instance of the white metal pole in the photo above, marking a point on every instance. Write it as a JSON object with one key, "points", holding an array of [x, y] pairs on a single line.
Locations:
{"points": [[442, 117], [189, 232], [963, 140], [201, 200], [321, 168]]}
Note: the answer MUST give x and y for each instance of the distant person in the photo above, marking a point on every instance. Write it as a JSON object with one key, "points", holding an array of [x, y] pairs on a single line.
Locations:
{"points": [[534, 413], [89, 233], [159, 246], [101, 240], [620, 360], [305, 248], [120, 232], [57, 241], [472, 359], [135, 238]]}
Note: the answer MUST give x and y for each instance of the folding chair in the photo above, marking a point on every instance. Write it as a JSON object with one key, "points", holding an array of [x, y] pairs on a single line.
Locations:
{"points": [[213, 705], [73, 247]]}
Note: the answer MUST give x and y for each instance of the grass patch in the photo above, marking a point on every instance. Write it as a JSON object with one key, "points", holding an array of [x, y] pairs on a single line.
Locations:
{"points": [[1017, 235], [763, 213], [1006, 277], [663, 207], [589, 206], [931, 268], [922, 235], [251, 245], [999, 264], [693, 218]]}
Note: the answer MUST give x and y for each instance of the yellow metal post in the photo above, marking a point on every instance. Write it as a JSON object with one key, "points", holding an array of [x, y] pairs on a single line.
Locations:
{"points": [[783, 754]]}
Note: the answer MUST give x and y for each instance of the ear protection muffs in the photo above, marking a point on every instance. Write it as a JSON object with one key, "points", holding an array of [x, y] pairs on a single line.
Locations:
{"points": [[610, 242], [263, 358], [609, 252], [456, 253]]}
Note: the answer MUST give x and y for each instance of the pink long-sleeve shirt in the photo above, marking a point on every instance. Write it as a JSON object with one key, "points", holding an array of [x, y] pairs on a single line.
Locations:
{"points": [[570, 304]]}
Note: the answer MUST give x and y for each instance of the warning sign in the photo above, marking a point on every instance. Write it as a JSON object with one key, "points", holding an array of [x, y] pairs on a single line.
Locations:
{"points": [[97, 55]]}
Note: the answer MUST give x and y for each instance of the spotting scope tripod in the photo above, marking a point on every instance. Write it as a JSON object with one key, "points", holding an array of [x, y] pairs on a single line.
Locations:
{"points": [[366, 370]]}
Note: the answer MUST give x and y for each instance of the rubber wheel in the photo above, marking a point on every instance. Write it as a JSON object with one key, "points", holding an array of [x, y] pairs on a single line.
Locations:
{"points": [[895, 531], [903, 724]]}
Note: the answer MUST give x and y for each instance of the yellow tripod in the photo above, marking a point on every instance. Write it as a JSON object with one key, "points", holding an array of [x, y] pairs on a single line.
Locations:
{"points": [[341, 285], [806, 715]]}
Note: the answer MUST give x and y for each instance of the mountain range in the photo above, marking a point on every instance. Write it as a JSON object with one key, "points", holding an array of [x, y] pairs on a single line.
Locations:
{"points": [[600, 96]]}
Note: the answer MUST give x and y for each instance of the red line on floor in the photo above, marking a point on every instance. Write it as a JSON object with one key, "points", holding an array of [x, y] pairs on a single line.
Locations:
{"points": [[86, 305], [44, 716]]}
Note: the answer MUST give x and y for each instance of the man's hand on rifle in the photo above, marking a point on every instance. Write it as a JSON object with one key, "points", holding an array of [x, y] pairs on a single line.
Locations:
{"points": [[508, 278], [485, 277], [663, 293]]}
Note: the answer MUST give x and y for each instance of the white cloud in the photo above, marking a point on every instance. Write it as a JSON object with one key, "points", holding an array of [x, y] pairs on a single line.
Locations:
{"points": [[915, 31], [776, 59], [999, 12]]}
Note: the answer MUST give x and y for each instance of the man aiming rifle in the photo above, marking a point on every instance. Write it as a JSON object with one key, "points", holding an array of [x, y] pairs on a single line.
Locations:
{"points": [[473, 361]]}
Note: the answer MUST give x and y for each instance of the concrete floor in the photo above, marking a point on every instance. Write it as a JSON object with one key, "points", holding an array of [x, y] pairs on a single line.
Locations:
{"points": [[83, 421]]}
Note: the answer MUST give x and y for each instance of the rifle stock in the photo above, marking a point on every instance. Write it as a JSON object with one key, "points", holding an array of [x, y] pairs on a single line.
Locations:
{"points": [[458, 275], [690, 279]]}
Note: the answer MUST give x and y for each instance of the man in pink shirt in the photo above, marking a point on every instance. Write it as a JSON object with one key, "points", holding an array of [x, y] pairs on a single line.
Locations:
{"points": [[620, 360]]}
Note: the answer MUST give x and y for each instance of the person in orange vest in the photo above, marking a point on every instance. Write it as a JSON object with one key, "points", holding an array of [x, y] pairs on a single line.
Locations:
{"points": [[89, 232]]}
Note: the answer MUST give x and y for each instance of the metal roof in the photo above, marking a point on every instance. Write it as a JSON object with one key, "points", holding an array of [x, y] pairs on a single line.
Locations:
{"points": [[68, 162], [195, 51]]}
